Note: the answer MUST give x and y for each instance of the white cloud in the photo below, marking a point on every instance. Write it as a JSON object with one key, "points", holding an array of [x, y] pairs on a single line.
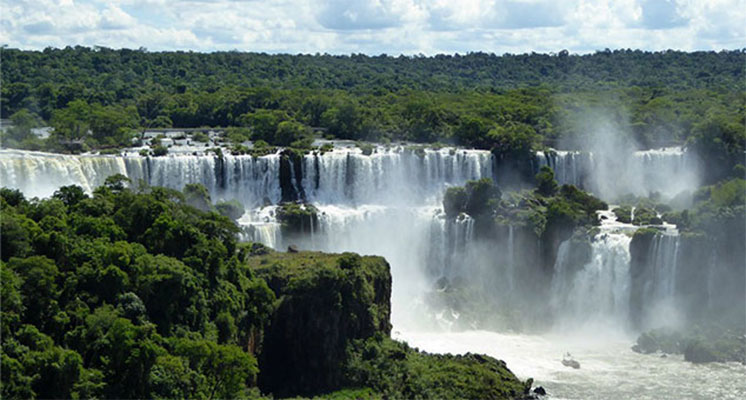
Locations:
{"points": [[376, 26]]}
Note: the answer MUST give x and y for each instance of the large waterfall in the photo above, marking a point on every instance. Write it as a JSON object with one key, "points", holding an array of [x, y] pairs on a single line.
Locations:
{"points": [[445, 275]]}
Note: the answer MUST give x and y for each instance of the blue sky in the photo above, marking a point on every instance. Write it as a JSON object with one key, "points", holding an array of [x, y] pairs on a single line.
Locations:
{"points": [[376, 26]]}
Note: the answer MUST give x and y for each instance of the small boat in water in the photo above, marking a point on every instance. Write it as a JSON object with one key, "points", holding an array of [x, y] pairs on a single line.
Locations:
{"points": [[568, 361]]}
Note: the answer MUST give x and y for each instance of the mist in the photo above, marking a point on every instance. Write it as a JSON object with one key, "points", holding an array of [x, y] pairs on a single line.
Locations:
{"points": [[463, 284], [607, 160]]}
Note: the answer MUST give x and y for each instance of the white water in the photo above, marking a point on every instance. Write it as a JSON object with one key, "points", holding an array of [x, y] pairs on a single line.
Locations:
{"points": [[388, 204], [608, 368], [640, 173]]}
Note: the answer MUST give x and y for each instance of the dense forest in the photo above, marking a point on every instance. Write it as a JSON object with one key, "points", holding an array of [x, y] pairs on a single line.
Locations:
{"points": [[506, 103], [135, 293]]}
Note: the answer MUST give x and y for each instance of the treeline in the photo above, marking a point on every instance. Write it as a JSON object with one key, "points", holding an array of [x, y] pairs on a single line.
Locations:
{"points": [[118, 70], [99, 98]]}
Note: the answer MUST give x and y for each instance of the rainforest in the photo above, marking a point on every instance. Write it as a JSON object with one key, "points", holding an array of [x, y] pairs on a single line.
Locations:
{"points": [[248, 225]]}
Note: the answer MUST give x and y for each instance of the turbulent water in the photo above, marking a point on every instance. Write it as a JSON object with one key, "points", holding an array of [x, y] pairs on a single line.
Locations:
{"points": [[388, 203], [608, 368]]}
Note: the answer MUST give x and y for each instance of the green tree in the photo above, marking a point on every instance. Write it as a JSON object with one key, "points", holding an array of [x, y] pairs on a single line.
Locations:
{"points": [[72, 122]]}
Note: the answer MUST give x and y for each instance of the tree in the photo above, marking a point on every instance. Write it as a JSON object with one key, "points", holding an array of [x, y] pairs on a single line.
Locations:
{"points": [[546, 185], [23, 121], [197, 196], [72, 122], [113, 125], [289, 132], [70, 195], [344, 122]]}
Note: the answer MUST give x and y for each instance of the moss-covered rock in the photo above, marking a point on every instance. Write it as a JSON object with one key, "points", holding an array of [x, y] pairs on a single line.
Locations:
{"points": [[477, 198], [660, 340], [713, 343], [639, 249], [646, 216], [623, 214], [298, 218], [324, 302], [330, 331]]}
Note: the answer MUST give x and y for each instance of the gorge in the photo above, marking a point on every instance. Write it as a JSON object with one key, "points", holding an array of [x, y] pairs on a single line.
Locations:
{"points": [[468, 284]]}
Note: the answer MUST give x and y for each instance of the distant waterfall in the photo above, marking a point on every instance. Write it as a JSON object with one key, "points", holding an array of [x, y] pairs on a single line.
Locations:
{"points": [[250, 180], [40, 174], [390, 176], [610, 175], [389, 203]]}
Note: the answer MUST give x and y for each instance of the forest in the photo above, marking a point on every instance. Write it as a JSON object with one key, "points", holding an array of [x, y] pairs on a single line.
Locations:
{"points": [[134, 292], [104, 97]]}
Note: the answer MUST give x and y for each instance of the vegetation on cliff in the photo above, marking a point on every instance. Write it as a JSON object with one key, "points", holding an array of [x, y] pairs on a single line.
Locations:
{"points": [[138, 294]]}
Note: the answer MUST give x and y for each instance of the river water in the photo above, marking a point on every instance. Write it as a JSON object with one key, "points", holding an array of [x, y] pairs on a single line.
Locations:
{"points": [[609, 369]]}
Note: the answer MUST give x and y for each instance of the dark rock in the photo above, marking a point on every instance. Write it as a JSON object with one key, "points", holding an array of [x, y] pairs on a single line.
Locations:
{"points": [[292, 248], [321, 309], [700, 352], [540, 391]]}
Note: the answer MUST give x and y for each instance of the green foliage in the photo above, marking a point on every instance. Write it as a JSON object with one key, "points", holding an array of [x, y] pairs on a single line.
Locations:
{"points": [[624, 214], [397, 371], [22, 122], [697, 344], [197, 196], [508, 103], [476, 198], [232, 209], [291, 133], [546, 185], [554, 217], [354, 293], [200, 137], [159, 151], [95, 306], [298, 218], [646, 216], [454, 201], [128, 294], [366, 148]]}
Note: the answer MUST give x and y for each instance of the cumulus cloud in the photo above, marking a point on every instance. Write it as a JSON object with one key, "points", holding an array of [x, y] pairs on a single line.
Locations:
{"points": [[376, 26]]}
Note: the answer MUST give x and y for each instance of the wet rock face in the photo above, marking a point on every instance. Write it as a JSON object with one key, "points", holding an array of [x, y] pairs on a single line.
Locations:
{"points": [[325, 302]]}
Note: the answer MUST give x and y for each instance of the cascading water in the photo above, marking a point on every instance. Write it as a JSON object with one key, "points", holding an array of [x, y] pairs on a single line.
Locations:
{"points": [[40, 174], [388, 203], [598, 292], [611, 175], [659, 292]]}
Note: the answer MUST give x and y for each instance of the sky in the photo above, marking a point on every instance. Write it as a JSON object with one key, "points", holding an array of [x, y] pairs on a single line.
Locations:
{"points": [[376, 26]]}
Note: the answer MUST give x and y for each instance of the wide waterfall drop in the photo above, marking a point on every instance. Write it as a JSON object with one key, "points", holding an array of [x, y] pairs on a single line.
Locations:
{"points": [[452, 281]]}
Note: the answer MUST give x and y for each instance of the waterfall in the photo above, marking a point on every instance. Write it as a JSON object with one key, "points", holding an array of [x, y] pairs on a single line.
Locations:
{"points": [[387, 203], [40, 174], [639, 172], [510, 269], [597, 292], [390, 176], [659, 289]]}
